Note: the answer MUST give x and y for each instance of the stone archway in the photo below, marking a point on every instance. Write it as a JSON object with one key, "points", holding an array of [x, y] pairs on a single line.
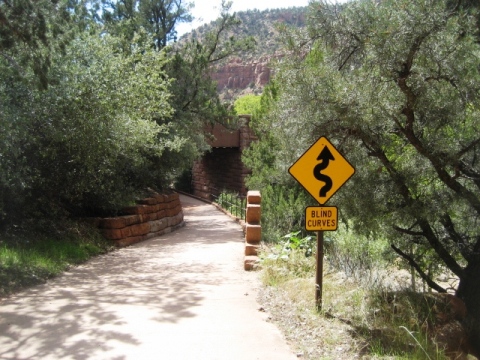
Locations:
{"points": [[222, 168]]}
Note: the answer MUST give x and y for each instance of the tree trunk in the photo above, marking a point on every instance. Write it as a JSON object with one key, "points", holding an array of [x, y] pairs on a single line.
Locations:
{"points": [[469, 292]]}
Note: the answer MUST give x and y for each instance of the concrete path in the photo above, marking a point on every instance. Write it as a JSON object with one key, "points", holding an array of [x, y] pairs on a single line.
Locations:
{"points": [[184, 295]]}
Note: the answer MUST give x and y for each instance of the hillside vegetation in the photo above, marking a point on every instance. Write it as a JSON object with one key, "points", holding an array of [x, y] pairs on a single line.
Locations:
{"points": [[263, 26], [249, 71]]}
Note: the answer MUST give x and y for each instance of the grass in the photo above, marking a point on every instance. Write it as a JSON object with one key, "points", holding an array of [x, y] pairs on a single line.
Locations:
{"points": [[31, 257], [356, 321]]}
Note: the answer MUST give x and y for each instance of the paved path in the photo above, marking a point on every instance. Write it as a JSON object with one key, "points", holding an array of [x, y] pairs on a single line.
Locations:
{"points": [[180, 296]]}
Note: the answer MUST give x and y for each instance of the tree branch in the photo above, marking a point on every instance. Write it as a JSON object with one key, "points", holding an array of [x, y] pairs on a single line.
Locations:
{"points": [[422, 274], [355, 48], [403, 189], [408, 232], [447, 223], [468, 148], [407, 130], [12, 62], [432, 239]]}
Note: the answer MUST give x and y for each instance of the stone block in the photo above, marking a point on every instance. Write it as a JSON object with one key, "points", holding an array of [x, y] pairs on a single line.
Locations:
{"points": [[254, 197], [162, 206], [150, 235], [158, 233], [148, 209], [113, 223], [251, 248], [172, 197], [112, 234], [158, 225], [140, 229], [179, 217], [178, 209], [148, 217], [253, 233], [127, 232], [174, 203], [131, 219], [179, 225], [251, 263], [174, 220], [161, 214], [160, 198], [147, 201], [253, 214], [173, 211], [131, 210]]}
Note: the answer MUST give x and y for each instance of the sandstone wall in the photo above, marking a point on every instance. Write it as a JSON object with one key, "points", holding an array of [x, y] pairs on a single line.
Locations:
{"points": [[153, 216], [218, 170]]}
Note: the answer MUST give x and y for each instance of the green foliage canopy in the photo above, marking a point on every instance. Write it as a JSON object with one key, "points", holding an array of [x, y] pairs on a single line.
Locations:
{"points": [[92, 129], [157, 17], [395, 86], [248, 104], [29, 32], [96, 108]]}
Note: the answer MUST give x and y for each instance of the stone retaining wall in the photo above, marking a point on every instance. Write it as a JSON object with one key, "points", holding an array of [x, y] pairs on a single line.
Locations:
{"points": [[153, 216]]}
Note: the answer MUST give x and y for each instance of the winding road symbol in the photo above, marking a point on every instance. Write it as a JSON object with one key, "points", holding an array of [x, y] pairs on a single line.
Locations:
{"points": [[322, 170], [325, 156]]}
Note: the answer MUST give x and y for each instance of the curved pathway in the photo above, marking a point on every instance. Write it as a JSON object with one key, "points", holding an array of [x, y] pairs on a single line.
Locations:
{"points": [[184, 295]]}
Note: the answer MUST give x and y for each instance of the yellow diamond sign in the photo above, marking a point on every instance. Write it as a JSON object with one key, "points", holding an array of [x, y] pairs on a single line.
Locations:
{"points": [[322, 170]]}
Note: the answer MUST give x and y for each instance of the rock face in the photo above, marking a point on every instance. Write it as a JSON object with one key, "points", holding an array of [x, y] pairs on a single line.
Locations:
{"points": [[242, 76]]}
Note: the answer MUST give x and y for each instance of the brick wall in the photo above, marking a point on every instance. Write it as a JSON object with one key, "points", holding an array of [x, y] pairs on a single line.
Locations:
{"points": [[153, 216], [222, 168]]}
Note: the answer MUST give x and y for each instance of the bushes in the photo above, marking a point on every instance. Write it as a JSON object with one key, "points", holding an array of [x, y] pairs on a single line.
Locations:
{"points": [[359, 257], [88, 144], [283, 211]]}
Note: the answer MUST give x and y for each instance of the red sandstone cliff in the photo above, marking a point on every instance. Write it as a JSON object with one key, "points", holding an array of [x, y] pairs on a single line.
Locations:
{"points": [[250, 72], [240, 74]]}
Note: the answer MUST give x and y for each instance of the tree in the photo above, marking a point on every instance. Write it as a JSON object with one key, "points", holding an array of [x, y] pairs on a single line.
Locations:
{"points": [[395, 85], [162, 17], [88, 144], [194, 94], [158, 17], [247, 104], [29, 32], [118, 115]]}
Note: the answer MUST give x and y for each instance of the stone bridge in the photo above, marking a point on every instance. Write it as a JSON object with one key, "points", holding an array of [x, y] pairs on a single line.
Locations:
{"points": [[221, 169]]}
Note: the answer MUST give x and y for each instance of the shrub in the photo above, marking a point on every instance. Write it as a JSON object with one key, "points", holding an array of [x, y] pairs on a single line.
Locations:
{"points": [[89, 143]]}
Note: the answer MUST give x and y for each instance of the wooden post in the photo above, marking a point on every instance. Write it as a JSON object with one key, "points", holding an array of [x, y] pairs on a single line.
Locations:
{"points": [[319, 276]]}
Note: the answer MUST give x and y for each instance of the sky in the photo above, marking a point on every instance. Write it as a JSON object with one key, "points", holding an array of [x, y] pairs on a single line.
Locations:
{"points": [[208, 10]]}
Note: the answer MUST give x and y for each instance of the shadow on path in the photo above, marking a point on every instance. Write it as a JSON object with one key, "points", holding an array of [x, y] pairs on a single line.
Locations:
{"points": [[138, 302]]}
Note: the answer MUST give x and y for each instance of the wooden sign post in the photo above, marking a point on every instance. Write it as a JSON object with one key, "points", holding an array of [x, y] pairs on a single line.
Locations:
{"points": [[321, 170]]}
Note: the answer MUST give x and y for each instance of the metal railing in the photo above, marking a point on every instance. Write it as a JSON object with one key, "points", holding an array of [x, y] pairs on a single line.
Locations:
{"points": [[235, 204]]}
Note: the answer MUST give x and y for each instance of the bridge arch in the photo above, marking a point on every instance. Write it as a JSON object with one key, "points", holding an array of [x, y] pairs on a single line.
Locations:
{"points": [[221, 169]]}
